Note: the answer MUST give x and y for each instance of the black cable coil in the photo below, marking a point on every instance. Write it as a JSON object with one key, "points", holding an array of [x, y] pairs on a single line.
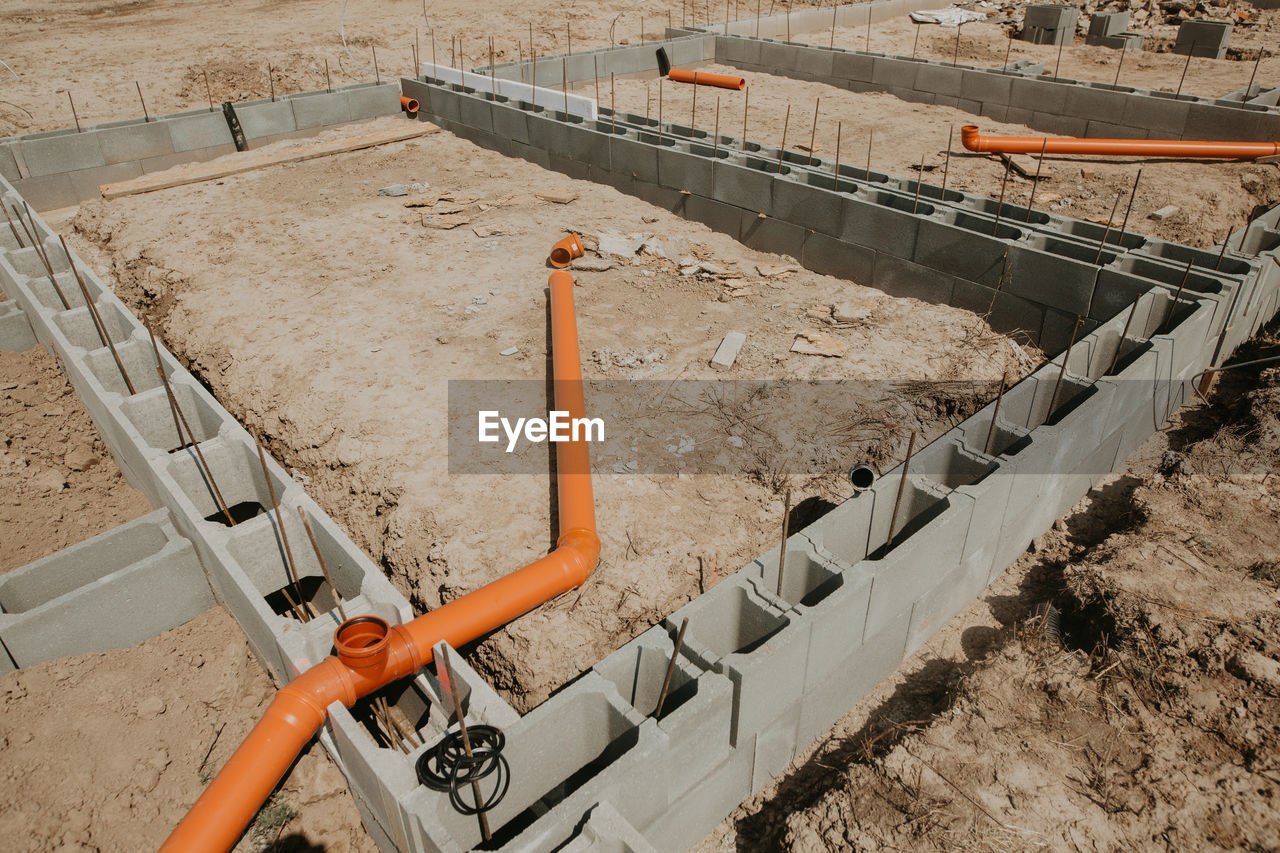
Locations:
{"points": [[447, 767]]}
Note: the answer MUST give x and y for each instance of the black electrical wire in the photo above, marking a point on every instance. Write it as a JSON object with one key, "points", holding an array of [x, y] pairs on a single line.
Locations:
{"points": [[447, 767]]}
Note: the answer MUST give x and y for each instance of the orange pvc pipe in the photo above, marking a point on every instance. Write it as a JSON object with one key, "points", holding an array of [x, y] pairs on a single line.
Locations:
{"points": [[409, 105], [565, 250], [974, 141], [371, 655], [701, 78]]}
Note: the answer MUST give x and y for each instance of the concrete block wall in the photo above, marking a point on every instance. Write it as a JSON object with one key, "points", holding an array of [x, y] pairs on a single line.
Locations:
{"points": [[1054, 105], [108, 592], [62, 167]]}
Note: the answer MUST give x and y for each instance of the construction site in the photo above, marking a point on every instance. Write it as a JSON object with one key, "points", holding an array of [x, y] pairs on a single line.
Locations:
{"points": [[640, 426]]}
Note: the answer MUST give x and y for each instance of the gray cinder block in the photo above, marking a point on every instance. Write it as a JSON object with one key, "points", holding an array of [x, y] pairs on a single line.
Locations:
{"points": [[1204, 38], [135, 142], [15, 331], [319, 109], [1106, 24], [734, 631], [266, 118], [65, 153], [190, 133], [102, 593]]}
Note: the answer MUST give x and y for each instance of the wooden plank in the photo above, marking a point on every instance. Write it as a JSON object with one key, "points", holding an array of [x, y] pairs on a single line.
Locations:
{"points": [[1025, 165], [234, 164]]}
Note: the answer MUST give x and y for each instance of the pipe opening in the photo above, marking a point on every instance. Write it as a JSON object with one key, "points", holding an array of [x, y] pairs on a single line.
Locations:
{"points": [[362, 641], [862, 477], [315, 591], [240, 513]]}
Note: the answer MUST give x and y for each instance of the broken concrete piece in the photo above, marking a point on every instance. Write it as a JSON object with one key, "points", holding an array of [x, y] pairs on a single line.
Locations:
{"points": [[819, 343], [850, 312], [1164, 212], [774, 270], [483, 231], [728, 350], [510, 351], [395, 190], [444, 222], [592, 264], [621, 245], [557, 196]]}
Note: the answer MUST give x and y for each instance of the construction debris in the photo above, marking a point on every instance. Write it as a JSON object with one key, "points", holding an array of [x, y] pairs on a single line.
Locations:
{"points": [[728, 350], [819, 343]]}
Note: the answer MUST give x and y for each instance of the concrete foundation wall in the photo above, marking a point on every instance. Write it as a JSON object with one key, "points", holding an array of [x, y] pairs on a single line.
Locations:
{"points": [[1054, 105], [63, 167]]}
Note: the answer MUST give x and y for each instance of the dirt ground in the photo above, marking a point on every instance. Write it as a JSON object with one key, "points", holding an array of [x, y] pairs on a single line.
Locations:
{"points": [[378, 311], [381, 312], [105, 752], [1117, 688], [59, 485]]}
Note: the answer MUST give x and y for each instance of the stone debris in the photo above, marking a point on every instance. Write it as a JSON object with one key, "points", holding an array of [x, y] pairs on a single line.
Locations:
{"points": [[592, 264], [510, 351], [775, 270], [621, 245], [850, 312], [819, 343], [557, 196], [1164, 212], [728, 350], [81, 458]]}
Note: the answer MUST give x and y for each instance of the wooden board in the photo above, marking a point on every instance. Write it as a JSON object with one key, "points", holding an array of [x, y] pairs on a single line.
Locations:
{"points": [[247, 161]]}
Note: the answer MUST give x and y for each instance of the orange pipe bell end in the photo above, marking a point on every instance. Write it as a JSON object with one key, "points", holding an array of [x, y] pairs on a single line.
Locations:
{"points": [[975, 141], [563, 252], [700, 78], [409, 105]]}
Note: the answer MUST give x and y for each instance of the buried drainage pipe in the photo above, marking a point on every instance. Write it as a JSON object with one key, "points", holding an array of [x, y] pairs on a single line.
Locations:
{"points": [[372, 654], [1123, 147]]}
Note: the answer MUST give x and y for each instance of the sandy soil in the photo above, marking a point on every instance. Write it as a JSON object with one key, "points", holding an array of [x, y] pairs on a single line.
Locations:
{"points": [[1143, 715], [97, 49], [107, 751], [1213, 197], [381, 312], [59, 484]]}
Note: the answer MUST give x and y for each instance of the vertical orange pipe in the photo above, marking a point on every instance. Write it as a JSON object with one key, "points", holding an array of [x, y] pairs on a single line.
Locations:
{"points": [[221, 814]]}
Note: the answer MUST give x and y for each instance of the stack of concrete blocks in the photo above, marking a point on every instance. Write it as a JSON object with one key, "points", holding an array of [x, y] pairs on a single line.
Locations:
{"points": [[1204, 38], [1107, 29], [111, 591], [63, 167], [1050, 24], [1066, 107]]}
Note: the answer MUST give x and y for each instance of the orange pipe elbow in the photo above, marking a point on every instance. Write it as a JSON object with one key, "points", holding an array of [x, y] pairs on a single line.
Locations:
{"points": [[564, 251], [724, 81], [371, 654], [974, 141], [409, 105]]}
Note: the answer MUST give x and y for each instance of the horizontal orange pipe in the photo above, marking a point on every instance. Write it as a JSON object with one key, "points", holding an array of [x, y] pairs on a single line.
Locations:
{"points": [[225, 809], [974, 141], [724, 81], [409, 105]]}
